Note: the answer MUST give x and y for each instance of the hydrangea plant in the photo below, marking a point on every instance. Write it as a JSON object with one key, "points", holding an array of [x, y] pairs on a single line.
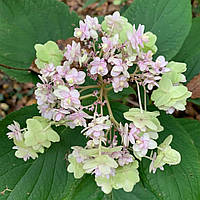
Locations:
{"points": [[105, 57]]}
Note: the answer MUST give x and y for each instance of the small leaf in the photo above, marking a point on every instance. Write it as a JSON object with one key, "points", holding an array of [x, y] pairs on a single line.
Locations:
{"points": [[195, 101], [88, 3]]}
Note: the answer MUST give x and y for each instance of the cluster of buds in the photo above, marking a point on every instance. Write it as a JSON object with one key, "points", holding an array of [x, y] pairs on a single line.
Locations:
{"points": [[102, 57]]}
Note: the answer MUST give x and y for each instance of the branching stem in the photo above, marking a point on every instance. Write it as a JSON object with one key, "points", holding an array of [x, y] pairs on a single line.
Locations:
{"points": [[86, 96], [16, 68], [109, 109]]}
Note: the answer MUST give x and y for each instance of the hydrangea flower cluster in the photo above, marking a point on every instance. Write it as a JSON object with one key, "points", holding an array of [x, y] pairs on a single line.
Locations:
{"points": [[32, 140], [102, 57]]}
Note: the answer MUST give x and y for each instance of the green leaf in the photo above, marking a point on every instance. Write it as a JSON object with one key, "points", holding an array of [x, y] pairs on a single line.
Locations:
{"points": [[89, 2], [101, 2], [175, 182], [26, 23], [190, 51], [193, 129], [124, 93], [170, 20], [195, 101], [43, 178], [47, 178], [87, 188]]}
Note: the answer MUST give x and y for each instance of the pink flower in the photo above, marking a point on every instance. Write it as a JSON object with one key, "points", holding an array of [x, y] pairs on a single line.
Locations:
{"points": [[170, 110], [150, 80], [92, 23], [151, 167], [75, 77], [62, 70], [69, 98], [73, 52], [143, 144], [125, 158], [95, 129], [145, 61], [133, 134], [119, 68], [48, 71], [46, 111], [160, 65], [123, 130], [137, 38], [119, 83], [59, 114], [15, 131], [99, 66], [57, 80], [82, 32], [93, 26], [78, 119], [107, 44], [129, 136], [115, 21], [44, 94]]}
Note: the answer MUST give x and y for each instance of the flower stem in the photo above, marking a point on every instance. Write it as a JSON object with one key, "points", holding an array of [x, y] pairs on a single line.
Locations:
{"points": [[86, 96], [109, 109], [108, 89], [101, 99], [145, 98], [83, 88], [100, 147], [139, 97]]}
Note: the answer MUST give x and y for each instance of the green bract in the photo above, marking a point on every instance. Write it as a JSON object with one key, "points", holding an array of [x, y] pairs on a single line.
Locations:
{"points": [[125, 177], [95, 152], [39, 134], [48, 53], [90, 159], [121, 28], [144, 120], [150, 45], [103, 162], [170, 96], [75, 167], [167, 155], [175, 73], [23, 150]]}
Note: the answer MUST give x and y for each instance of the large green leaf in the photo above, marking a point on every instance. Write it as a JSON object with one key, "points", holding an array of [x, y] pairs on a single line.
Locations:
{"points": [[47, 178], [23, 23], [87, 188], [179, 182], [170, 20], [190, 51], [43, 178], [193, 128]]}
